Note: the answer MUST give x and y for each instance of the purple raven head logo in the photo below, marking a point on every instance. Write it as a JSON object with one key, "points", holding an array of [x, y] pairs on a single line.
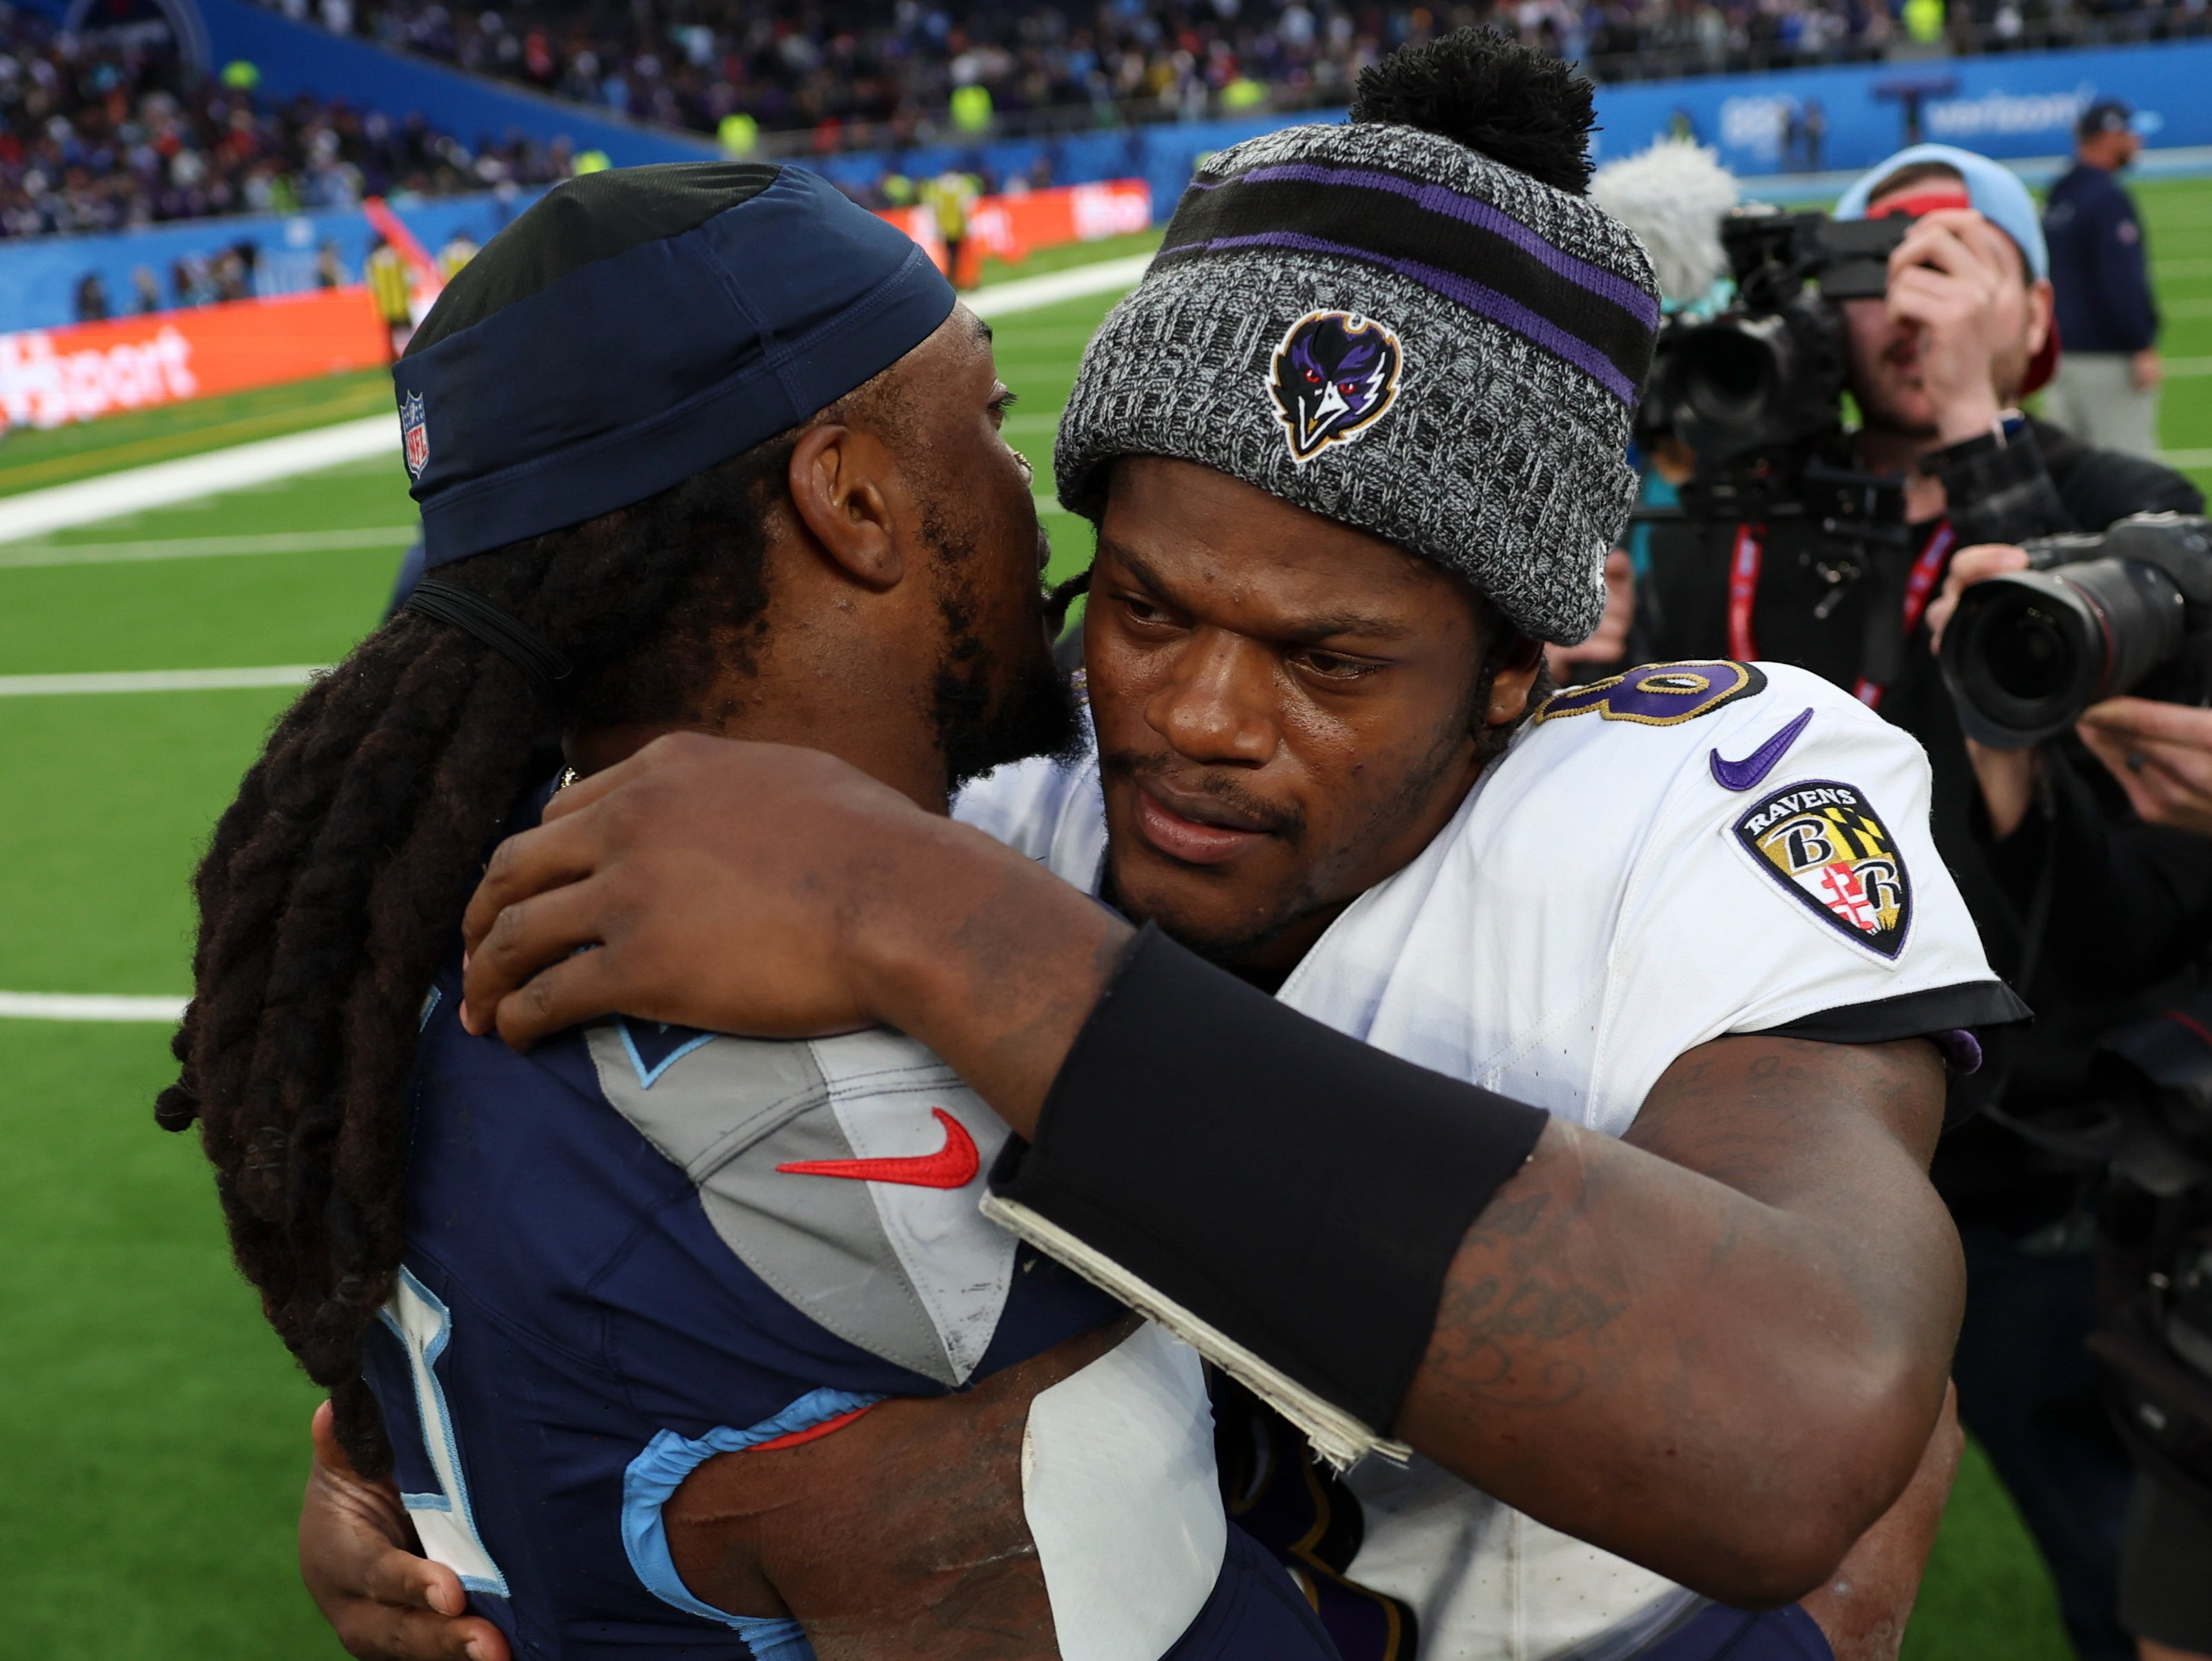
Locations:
{"points": [[1332, 376]]}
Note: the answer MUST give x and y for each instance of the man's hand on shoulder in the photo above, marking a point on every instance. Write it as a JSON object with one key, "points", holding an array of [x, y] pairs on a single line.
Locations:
{"points": [[363, 1567], [777, 891]]}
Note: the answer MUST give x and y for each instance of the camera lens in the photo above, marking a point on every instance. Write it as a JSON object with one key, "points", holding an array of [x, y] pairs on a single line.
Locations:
{"points": [[2032, 659], [1733, 374], [2026, 654], [1729, 375]]}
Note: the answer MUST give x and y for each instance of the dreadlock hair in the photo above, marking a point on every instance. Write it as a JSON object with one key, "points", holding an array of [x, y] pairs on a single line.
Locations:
{"points": [[331, 892]]}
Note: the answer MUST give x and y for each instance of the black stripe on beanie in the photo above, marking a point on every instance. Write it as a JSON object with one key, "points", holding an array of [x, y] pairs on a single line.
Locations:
{"points": [[1597, 319]]}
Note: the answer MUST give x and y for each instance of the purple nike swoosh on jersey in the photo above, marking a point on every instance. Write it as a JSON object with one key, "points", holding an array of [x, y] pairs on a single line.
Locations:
{"points": [[1743, 774]]}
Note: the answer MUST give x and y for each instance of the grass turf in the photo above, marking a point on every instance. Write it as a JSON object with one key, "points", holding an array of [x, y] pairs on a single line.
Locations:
{"points": [[152, 1428]]}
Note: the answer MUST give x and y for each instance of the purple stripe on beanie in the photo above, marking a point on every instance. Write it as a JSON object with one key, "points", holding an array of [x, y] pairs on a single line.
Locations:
{"points": [[1471, 210], [1506, 312]]}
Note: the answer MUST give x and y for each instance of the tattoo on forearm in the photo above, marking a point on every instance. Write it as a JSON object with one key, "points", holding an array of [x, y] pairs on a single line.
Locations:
{"points": [[1524, 1343]]}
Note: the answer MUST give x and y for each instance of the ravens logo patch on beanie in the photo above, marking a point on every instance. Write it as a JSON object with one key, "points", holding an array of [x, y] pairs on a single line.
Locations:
{"points": [[1334, 375]]}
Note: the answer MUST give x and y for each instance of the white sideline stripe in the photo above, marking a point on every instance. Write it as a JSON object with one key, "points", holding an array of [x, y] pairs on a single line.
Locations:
{"points": [[88, 1006], [36, 513], [1027, 294], [158, 680], [281, 542], [2186, 458]]}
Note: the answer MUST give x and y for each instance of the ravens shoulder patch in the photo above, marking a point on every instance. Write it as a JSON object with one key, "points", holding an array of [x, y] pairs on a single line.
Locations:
{"points": [[1824, 843], [1659, 694]]}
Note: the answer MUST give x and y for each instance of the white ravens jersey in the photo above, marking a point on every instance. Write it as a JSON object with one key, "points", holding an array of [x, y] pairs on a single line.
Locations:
{"points": [[1682, 852]]}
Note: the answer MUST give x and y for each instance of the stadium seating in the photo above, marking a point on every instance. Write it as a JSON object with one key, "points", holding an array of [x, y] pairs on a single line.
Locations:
{"points": [[843, 76], [117, 132]]}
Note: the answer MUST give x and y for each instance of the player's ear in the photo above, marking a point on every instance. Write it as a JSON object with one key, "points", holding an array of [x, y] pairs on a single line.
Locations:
{"points": [[839, 478], [1515, 680]]}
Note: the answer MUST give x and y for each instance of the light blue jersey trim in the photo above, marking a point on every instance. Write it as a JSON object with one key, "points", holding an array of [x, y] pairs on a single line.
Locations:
{"points": [[647, 1075], [660, 1471]]}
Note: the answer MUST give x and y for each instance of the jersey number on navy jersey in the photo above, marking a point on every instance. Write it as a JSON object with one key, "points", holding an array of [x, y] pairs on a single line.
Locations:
{"points": [[418, 1318]]}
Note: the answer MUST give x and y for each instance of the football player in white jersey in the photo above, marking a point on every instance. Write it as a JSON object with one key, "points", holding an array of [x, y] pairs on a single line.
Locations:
{"points": [[1570, 1188]]}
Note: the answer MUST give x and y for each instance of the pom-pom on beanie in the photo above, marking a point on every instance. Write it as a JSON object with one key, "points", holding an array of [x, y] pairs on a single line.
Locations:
{"points": [[1412, 324]]}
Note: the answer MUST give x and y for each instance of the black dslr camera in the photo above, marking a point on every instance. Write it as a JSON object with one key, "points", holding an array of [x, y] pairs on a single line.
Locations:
{"points": [[2125, 610]]}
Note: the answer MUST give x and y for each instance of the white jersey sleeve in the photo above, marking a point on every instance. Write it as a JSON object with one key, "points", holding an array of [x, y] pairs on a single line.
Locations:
{"points": [[1684, 852]]}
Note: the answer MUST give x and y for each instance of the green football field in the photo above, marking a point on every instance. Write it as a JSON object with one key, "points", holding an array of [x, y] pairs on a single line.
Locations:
{"points": [[152, 1432]]}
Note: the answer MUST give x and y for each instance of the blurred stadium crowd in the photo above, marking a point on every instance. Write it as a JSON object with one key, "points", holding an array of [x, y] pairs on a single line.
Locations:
{"points": [[98, 134], [854, 73]]}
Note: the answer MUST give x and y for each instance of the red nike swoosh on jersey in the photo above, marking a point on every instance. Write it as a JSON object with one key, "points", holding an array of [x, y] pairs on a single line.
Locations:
{"points": [[953, 1165]]}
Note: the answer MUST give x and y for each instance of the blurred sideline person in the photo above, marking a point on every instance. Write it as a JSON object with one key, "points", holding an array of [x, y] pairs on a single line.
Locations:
{"points": [[951, 197], [390, 293], [1691, 1316], [2107, 388], [1938, 368]]}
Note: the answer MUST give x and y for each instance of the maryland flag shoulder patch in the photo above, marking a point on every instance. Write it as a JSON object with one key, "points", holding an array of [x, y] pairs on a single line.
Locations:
{"points": [[1824, 843]]}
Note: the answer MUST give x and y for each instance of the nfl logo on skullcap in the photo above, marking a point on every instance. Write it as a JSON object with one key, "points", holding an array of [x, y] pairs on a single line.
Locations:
{"points": [[414, 434]]}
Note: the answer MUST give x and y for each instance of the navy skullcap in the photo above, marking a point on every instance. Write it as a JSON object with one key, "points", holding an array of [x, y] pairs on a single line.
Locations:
{"points": [[638, 325]]}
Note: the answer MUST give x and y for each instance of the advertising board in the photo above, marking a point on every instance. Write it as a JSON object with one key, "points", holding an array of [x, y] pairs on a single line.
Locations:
{"points": [[50, 377]]}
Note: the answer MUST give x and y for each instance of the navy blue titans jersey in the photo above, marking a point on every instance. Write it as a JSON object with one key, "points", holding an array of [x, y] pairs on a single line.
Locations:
{"points": [[641, 1246]]}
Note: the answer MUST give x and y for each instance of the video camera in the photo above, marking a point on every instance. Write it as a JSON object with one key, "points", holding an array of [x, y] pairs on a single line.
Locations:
{"points": [[1757, 394], [2095, 616], [1768, 374]]}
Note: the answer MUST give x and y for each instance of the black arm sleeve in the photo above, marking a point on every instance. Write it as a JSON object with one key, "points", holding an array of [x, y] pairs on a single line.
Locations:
{"points": [[1293, 1189], [2130, 902]]}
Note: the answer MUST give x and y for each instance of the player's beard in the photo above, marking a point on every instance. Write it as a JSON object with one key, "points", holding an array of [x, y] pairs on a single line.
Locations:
{"points": [[988, 712]]}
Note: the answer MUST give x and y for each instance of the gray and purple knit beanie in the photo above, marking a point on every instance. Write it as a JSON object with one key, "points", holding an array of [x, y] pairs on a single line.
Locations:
{"points": [[1413, 323]]}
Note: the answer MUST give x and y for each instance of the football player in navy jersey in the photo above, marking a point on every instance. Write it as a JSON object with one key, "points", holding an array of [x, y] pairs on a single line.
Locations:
{"points": [[673, 1343]]}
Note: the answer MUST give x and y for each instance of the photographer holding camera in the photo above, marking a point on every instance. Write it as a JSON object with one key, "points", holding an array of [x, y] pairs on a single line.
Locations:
{"points": [[2019, 661], [1803, 543]]}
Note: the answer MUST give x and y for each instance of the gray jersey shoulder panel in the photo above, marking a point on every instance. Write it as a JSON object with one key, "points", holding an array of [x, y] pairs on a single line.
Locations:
{"points": [[729, 1112]]}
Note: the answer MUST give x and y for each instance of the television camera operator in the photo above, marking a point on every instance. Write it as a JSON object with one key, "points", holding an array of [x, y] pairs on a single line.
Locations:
{"points": [[1927, 300]]}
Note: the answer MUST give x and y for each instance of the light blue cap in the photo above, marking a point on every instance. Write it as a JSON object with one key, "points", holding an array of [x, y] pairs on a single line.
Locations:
{"points": [[1996, 191]]}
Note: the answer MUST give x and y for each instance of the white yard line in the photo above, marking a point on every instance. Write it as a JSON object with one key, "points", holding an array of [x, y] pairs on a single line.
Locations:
{"points": [[157, 680], [88, 1006], [1027, 294], [36, 513], [280, 542]]}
